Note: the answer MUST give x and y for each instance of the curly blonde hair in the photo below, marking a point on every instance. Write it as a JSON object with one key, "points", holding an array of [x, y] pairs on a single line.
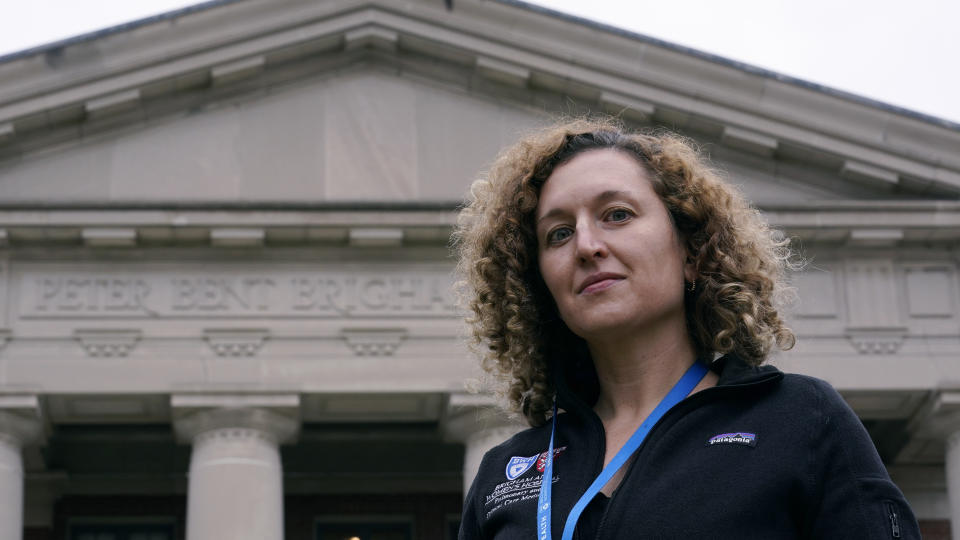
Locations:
{"points": [[740, 263]]}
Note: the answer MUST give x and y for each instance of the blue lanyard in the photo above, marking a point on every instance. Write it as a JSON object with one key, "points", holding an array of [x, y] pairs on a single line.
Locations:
{"points": [[684, 386]]}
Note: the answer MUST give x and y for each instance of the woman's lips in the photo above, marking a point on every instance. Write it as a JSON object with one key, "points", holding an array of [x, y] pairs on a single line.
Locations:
{"points": [[600, 285]]}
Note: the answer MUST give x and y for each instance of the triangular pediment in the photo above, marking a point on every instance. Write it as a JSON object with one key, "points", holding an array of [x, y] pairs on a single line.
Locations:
{"points": [[358, 101], [364, 135]]}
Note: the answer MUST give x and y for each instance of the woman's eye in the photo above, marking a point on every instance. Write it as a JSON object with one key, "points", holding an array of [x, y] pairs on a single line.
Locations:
{"points": [[618, 215], [558, 235]]}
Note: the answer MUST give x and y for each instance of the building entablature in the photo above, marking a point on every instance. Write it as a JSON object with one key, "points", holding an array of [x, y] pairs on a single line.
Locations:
{"points": [[386, 319]]}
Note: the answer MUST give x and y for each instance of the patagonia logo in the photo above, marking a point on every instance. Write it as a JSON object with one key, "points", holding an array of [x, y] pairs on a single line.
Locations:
{"points": [[521, 464], [737, 437]]}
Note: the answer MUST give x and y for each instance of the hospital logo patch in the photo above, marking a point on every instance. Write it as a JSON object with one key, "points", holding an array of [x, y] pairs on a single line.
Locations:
{"points": [[542, 459], [520, 464], [737, 437]]}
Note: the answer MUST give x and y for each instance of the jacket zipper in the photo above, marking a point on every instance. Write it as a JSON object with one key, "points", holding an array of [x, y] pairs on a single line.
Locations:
{"points": [[636, 457], [694, 399], [893, 517], [603, 518]]}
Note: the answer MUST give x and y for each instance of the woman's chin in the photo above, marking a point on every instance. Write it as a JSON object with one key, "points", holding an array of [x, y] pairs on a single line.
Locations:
{"points": [[600, 329], [616, 325]]}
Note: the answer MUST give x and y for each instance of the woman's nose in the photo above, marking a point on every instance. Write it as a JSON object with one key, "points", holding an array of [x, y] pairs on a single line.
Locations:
{"points": [[590, 243]]}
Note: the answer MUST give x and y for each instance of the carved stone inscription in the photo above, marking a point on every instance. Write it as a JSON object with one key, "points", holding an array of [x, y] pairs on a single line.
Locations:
{"points": [[56, 294], [342, 293]]}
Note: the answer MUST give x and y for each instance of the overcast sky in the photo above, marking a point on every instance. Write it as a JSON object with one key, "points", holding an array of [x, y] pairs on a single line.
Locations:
{"points": [[902, 53]]}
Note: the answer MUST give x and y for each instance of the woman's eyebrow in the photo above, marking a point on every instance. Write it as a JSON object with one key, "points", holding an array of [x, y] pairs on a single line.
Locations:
{"points": [[611, 194], [600, 198]]}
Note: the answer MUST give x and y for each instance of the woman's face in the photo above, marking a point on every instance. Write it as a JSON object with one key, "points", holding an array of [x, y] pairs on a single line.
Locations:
{"points": [[608, 250]]}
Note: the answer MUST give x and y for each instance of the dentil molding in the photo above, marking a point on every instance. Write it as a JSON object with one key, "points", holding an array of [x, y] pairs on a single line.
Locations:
{"points": [[877, 340], [107, 342], [236, 341], [374, 341]]}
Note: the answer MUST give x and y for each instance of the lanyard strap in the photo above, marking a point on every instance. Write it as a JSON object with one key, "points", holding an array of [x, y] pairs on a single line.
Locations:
{"points": [[680, 390], [546, 485]]}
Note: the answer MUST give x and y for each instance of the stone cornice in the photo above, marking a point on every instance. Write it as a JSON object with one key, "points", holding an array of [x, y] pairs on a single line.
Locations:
{"points": [[867, 214], [865, 223], [506, 43], [30, 215]]}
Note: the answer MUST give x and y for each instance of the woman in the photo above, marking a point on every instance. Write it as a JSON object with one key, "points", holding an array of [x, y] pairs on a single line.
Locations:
{"points": [[613, 277]]}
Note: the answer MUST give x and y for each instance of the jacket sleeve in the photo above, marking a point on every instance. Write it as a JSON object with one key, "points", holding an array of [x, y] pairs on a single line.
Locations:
{"points": [[470, 517], [854, 496]]}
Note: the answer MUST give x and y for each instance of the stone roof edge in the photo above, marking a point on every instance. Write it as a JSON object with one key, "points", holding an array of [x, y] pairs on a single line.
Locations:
{"points": [[116, 29], [742, 66], [521, 45], [718, 59]]}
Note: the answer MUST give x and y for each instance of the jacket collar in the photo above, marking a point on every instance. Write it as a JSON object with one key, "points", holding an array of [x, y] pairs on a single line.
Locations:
{"points": [[578, 388], [734, 371]]}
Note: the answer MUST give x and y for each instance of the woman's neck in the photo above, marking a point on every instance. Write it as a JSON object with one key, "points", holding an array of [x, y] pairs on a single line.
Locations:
{"points": [[635, 373]]}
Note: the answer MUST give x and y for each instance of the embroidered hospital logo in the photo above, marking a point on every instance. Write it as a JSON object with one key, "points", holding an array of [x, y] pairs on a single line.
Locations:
{"points": [[737, 437], [542, 459], [519, 465]]}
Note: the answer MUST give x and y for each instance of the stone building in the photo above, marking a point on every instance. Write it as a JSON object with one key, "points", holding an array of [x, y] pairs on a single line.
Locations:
{"points": [[225, 275]]}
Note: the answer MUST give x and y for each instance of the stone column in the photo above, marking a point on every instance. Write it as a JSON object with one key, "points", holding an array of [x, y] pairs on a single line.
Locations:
{"points": [[235, 487], [20, 424], [477, 422], [952, 467]]}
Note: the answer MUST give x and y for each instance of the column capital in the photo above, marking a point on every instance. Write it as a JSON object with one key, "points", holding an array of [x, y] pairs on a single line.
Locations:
{"points": [[468, 414], [275, 415], [940, 418], [477, 421], [21, 419]]}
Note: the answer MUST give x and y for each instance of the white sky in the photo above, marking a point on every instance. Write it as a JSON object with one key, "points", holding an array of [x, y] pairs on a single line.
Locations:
{"points": [[903, 53]]}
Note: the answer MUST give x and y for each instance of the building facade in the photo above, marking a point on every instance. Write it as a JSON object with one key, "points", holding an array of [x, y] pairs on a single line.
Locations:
{"points": [[225, 274]]}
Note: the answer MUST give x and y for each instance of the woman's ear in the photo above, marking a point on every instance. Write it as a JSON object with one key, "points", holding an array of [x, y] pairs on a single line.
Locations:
{"points": [[689, 270]]}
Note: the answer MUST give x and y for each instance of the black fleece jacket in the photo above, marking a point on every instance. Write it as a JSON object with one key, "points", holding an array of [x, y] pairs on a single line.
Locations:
{"points": [[761, 455]]}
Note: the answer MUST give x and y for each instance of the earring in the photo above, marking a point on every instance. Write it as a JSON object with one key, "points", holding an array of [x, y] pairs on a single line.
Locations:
{"points": [[693, 286]]}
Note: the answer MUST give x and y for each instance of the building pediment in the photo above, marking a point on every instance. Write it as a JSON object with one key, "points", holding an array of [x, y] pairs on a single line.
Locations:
{"points": [[310, 80], [363, 135]]}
